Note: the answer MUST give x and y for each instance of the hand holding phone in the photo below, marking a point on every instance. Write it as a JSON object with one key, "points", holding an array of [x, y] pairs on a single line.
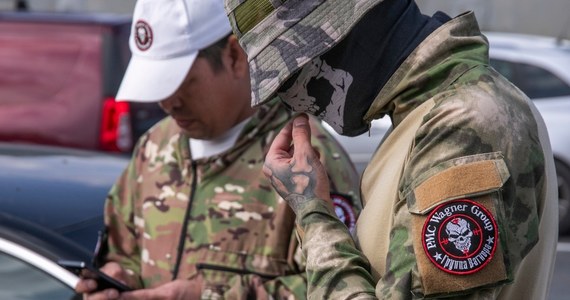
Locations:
{"points": [[87, 271]]}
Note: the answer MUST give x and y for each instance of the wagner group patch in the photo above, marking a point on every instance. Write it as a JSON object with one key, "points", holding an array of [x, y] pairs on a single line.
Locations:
{"points": [[460, 237], [344, 210]]}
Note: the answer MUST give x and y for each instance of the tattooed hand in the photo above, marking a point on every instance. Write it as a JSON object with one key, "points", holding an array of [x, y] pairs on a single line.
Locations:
{"points": [[293, 165]]}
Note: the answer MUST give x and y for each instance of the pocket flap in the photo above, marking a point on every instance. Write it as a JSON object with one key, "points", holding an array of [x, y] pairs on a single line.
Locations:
{"points": [[458, 181]]}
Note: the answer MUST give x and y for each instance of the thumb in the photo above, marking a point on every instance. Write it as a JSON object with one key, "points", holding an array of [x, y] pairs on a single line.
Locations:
{"points": [[301, 134]]}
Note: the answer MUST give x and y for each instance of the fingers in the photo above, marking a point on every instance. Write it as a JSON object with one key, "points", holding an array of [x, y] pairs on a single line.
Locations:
{"points": [[282, 142], [109, 294], [301, 135], [88, 287], [297, 133], [85, 286], [178, 289], [114, 270]]}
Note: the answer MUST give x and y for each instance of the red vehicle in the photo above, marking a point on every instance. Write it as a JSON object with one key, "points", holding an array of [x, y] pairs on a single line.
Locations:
{"points": [[59, 75]]}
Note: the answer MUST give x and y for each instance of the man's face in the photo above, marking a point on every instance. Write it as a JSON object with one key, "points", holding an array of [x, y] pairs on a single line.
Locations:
{"points": [[207, 103]]}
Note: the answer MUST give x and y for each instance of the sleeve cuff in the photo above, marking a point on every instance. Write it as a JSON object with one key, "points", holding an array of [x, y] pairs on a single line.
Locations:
{"points": [[314, 206]]}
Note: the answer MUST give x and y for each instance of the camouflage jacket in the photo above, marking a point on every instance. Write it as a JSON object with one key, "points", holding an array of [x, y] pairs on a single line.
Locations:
{"points": [[460, 198], [239, 233]]}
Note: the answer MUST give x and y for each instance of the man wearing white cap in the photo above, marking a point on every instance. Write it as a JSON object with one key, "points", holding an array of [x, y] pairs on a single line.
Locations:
{"points": [[193, 215]]}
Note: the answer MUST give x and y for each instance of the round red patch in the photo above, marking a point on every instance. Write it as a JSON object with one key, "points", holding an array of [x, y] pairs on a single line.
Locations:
{"points": [[143, 35], [344, 210], [460, 237]]}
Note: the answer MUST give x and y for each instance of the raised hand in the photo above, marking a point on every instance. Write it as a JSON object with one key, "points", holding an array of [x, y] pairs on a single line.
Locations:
{"points": [[293, 165]]}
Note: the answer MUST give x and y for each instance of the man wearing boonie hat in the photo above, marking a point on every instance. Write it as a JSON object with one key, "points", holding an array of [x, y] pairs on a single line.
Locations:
{"points": [[193, 216], [460, 197]]}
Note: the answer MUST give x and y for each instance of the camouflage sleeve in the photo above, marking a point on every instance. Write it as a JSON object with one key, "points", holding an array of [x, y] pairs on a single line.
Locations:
{"points": [[336, 269], [120, 222], [343, 178]]}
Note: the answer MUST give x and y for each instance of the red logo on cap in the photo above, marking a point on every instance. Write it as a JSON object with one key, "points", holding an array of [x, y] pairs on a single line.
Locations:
{"points": [[143, 35]]}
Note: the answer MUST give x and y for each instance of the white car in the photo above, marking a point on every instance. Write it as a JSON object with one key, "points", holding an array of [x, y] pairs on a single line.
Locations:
{"points": [[540, 67]]}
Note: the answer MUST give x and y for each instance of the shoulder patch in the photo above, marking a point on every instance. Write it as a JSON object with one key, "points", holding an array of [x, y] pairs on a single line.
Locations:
{"points": [[460, 237], [344, 210]]}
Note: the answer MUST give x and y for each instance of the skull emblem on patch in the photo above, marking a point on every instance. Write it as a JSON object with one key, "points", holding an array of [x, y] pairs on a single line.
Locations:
{"points": [[460, 236], [459, 233]]}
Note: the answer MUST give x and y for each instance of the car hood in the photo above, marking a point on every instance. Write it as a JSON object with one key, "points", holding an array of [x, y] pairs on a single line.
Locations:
{"points": [[55, 187]]}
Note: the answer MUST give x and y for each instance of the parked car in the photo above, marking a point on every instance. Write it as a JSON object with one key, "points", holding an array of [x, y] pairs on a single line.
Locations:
{"points": [[540, 67], [60, 189], [28, 256], [60, 74], [51, 208]]}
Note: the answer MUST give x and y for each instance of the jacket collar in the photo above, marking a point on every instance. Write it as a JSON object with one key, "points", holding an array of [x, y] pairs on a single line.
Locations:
{"points": [[454, 48], [270, 116]]}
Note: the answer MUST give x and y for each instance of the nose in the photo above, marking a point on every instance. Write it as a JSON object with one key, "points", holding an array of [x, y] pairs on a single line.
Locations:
{"points": [[169, 104]]}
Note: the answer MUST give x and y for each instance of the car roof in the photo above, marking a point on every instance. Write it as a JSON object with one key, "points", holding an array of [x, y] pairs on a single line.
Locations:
{"points": [[521, 40], [549, 52]]}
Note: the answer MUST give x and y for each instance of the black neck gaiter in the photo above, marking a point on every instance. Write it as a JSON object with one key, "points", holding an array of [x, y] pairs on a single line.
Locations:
{"points": [[340, 85]]}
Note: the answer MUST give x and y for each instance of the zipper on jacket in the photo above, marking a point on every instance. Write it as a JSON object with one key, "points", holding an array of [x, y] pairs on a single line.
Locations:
{"points": [[184, 230]]}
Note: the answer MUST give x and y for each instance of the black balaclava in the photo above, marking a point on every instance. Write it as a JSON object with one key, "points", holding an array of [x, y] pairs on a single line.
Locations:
{"points": [[340, 85]]}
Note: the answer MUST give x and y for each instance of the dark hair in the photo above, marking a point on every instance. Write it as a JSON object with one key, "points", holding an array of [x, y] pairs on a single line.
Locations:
{"points": [[213, 53]]}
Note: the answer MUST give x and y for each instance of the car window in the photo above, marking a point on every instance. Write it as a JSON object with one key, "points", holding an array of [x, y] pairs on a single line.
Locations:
{"points": [[23, 281], [534, 81]]}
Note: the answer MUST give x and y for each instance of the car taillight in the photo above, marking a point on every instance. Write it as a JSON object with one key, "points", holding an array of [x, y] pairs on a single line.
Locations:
{"points": [[116, 133]]}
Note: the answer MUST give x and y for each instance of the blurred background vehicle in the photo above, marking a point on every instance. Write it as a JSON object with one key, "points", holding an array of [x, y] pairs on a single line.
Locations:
{"points": [[60, 74], [51, 208], [540, 67], [361, 148], [60, 189], [28, 254]]}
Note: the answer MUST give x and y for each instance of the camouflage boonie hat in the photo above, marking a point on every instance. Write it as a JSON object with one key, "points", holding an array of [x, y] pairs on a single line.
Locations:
{"points": [[281, 36]]}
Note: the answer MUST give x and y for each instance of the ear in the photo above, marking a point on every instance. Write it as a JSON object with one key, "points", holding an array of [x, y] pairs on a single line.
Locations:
{"points": [[238, 57]]}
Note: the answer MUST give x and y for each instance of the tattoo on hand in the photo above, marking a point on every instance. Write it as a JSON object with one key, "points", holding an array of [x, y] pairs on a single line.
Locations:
{"points": [[295, 184], [296, 201]]}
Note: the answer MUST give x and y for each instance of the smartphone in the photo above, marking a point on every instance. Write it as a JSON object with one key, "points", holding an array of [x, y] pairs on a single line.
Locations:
{"points": [[86, 270]]}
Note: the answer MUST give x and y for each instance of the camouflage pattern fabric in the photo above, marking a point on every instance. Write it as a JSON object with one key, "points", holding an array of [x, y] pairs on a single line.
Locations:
{"points": [[477, 117], [240, 235], [288, 35]]}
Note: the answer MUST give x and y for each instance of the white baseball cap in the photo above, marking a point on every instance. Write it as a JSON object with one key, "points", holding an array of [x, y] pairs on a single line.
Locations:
{"points": [[166, 36]]}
